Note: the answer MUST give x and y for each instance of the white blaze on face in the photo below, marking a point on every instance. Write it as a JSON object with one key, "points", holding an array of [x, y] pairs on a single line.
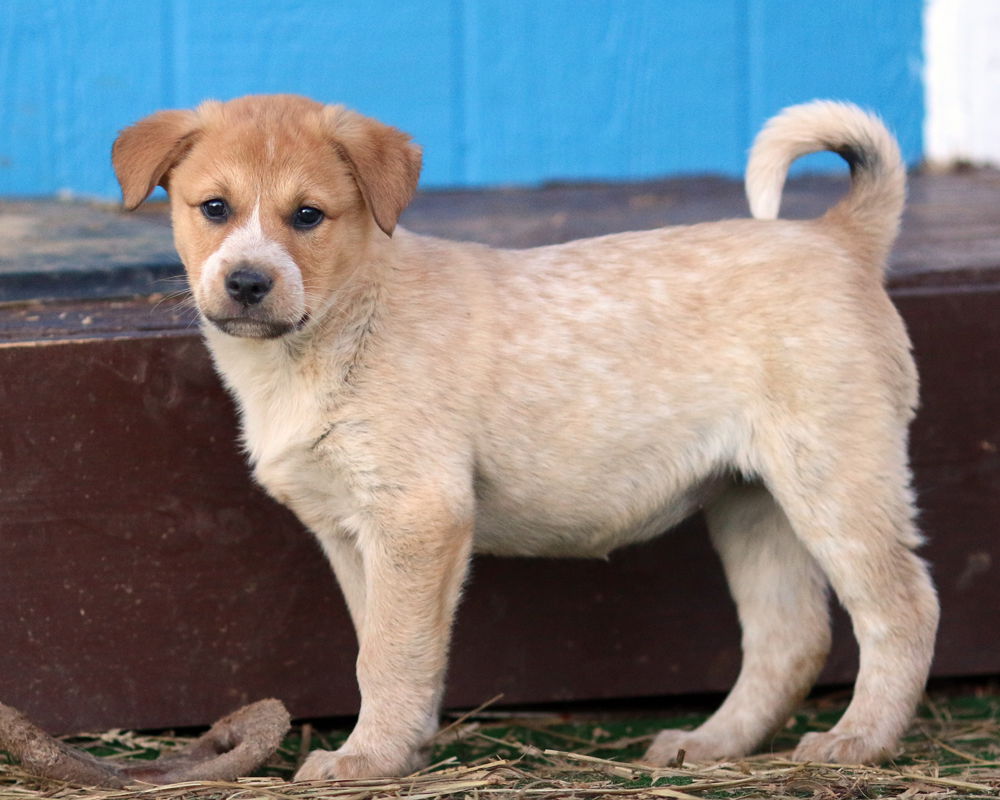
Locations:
{"points": [[248, 247]]}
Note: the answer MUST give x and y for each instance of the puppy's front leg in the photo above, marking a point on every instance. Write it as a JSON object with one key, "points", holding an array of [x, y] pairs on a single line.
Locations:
{"points": [[414, 566], [342, 552]]}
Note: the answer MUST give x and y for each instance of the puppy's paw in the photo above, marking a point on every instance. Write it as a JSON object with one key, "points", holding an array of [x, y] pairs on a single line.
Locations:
{"points": [[326, 765], [838, 748], [696, 745]]}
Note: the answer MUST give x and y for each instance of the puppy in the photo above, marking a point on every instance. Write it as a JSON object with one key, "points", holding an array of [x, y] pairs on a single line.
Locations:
{"points": [[414, 400]]}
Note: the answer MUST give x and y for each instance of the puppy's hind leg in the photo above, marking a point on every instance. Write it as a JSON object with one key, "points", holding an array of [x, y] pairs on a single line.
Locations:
{"points": [[781, 599], [852, 509]]}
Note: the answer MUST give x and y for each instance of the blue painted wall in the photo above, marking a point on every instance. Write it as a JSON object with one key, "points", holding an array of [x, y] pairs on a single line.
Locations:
{"points": [[497, 91]]}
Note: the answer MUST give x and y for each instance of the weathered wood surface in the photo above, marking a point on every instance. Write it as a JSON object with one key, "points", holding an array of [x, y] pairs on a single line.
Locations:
{"points": [[144, 581], [52, 250]]}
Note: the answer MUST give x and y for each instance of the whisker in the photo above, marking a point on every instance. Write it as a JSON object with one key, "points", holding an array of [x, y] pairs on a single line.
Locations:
{"points": [[188, 298], [172, 279]]}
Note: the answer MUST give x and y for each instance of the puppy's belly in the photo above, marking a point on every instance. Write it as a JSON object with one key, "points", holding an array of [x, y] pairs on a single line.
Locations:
{"points": [[583, 525]]}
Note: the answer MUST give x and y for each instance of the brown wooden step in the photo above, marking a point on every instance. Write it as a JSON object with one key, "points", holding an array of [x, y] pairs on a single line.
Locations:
{"points": [[145, 581]]}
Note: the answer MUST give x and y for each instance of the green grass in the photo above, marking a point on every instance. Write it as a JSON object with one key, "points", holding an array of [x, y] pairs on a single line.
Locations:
{"points": [[953, 751]]}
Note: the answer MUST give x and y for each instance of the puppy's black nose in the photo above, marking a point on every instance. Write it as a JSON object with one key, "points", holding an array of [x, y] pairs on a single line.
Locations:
{"points": [[247, 286]]}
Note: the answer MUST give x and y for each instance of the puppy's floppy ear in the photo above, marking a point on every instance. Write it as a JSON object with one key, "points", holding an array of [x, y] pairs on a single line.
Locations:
{"points": [[144, 153], [384, 161]]}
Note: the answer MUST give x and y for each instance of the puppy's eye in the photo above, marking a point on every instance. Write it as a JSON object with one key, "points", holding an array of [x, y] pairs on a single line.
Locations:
{"points": [[307, 217], [216, 209]]}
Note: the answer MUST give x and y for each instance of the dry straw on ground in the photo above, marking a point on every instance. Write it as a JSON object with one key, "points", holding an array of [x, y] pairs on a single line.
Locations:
{"points": [[953, 752]]}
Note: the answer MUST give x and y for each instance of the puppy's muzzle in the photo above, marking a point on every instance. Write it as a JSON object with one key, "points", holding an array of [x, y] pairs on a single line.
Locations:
{"points": [[250, 303], [248, 286]]}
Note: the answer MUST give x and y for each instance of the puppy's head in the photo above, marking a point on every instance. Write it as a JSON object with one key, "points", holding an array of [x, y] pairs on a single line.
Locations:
{"points": [[274, 201]]}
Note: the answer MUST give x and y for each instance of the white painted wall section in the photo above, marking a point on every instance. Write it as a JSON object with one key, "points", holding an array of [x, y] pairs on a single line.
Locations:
{"points": [[962, 80]]}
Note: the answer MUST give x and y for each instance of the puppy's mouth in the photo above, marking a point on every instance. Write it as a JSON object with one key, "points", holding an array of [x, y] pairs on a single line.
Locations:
{"points": [[247, 327]]}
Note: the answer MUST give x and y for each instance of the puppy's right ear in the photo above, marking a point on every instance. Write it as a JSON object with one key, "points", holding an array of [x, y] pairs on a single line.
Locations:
{"points": [[144, 153]]}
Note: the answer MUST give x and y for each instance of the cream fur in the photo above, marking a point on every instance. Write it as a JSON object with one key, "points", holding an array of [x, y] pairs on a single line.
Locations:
{"points": [[432, 398]]}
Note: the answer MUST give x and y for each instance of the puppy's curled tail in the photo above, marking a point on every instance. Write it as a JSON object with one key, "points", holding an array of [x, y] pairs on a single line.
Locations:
{"points": [[874, 204]]}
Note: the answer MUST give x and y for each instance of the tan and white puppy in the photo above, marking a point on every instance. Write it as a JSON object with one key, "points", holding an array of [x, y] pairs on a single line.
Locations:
{"points": [[414, 400]]}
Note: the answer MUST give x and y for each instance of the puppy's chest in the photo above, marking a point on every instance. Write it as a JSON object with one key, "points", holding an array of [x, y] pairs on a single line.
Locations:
{"points": [[288, 465], [285, 412]]}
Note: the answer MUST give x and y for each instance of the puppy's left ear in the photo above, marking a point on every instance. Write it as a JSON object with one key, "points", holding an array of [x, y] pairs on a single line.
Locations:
{"points": [[384, 161], [144, 153]]}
